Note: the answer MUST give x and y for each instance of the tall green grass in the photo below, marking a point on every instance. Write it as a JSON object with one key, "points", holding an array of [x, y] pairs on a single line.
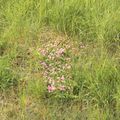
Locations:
{"points": [[95, 68], [90, 20], [98, 80]]}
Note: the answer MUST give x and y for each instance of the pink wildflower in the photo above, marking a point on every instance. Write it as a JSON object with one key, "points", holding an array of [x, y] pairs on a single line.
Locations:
{"points": [[62, 88], [44, 64], [60, 51], [51, 88], [43, 52]]}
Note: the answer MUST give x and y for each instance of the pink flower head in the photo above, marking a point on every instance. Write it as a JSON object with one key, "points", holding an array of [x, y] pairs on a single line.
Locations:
{"points": [[43, 52], [51, 88], [60, 51], [62, 88], [44, 64]]}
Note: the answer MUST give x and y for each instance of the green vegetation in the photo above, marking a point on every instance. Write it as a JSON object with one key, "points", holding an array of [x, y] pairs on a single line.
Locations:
{"points": [[59, 59]]}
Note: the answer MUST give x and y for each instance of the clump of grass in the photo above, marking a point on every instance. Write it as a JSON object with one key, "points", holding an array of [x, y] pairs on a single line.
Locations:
{"points": [[7, 76], [97, 77]]}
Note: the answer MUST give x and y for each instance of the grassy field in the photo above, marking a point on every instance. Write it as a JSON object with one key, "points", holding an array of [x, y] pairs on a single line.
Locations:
{"points": [[59, 59]]}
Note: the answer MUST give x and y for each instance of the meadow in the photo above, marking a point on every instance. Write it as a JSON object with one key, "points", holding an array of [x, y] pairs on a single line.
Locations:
{"points": [[59, 59]]}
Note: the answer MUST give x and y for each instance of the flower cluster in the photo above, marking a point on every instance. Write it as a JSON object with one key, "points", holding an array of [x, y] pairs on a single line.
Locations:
{"points": [[56, 65]]}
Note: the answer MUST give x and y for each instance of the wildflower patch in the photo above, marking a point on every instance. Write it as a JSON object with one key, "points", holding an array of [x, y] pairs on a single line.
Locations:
{"points": [[56, 62]]}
